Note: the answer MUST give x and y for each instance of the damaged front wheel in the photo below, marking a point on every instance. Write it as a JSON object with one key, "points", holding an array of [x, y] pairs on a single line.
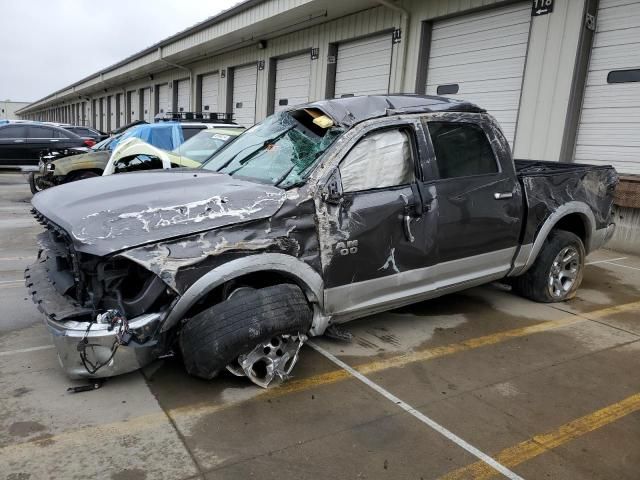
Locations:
{"points": [[257, 333]]}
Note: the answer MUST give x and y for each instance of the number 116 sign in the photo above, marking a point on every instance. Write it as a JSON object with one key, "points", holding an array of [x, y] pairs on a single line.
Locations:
{"points": [[541, 7]]}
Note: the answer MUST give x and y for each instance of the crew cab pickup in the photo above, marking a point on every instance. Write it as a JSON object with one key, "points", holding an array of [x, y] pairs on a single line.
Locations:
{"points": [[321, 214]]}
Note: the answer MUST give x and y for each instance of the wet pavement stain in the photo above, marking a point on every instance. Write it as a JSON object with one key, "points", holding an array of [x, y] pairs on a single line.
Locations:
{"points": [[129, 474], [25, 429], [19, 392], [606, 281]]}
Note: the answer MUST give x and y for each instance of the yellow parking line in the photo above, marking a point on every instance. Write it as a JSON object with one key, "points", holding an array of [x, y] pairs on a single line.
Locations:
{"points": [[539, 444], [195, 411]]}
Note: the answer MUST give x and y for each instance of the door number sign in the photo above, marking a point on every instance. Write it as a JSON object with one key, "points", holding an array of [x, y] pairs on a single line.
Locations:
{"points": [[541, 7]]}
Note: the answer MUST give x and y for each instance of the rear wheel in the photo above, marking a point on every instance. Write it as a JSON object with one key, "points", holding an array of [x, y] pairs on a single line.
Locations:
{"points": [[257, 333], [557, 272]]}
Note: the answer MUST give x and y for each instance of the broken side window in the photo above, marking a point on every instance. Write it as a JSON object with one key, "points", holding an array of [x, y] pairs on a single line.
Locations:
{"points": [[381, 159]]}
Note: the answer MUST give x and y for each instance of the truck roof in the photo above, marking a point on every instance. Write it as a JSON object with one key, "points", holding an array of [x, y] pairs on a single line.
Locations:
{"points": [[348, 111]]}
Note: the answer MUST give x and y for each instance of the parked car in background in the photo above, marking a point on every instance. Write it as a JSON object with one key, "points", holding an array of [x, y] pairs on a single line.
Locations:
{"points": [[87, 132], [55, 167], [22, 144], [135, 154], [165, 137]]}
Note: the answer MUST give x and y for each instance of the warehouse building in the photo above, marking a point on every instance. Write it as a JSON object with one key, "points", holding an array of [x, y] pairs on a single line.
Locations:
{"points": [[9, 108], [561, 76]]}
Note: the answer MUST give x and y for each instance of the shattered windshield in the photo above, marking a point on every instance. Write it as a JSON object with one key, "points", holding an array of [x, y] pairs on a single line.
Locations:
{"points": [[280, 150]]}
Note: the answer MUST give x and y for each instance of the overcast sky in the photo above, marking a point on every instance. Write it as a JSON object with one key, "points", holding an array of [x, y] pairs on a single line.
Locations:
{"points": [[48, 44]]}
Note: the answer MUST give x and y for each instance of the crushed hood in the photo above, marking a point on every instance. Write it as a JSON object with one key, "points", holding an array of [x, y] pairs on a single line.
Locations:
{"points": [[108, 214]]}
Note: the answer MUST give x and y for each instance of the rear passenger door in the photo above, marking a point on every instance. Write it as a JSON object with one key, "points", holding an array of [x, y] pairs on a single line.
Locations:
{"points": [[39, 138], [479, 199]]}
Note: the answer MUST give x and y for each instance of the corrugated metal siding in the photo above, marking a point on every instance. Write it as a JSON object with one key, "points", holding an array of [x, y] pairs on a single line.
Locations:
{"points": [[548, 79], [293, 77], [363, 66], [484, 55], [609, 131]]}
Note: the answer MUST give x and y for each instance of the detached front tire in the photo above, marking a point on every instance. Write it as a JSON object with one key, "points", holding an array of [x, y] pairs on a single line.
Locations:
{"points": [[557, 272], [216, 337]]}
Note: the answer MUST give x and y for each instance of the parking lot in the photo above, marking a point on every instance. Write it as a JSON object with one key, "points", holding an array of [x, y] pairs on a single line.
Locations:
{"points": [[440, 389]]}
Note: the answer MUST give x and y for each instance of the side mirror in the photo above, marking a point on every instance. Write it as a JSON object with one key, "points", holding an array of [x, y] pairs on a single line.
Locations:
{"points": [[332, 192]]}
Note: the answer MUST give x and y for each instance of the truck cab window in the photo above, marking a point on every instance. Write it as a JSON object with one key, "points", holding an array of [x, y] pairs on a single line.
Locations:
{"points": [[462, 150], [380, 159]]}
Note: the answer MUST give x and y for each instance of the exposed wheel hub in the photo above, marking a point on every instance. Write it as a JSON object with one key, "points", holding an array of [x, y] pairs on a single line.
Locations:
{"points": [[564, 272], [272, 359]]}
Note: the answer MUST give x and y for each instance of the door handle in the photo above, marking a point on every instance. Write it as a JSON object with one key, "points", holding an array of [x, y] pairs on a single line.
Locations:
{"points": [[18, 141], [54, 140], [406, 219], [502, 195]]}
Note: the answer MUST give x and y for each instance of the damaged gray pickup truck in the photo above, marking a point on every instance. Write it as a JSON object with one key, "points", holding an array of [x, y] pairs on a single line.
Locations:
{"points": [[318, 215]]}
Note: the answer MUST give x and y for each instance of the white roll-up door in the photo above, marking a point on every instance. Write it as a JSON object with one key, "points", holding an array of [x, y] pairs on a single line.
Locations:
{"points": [[210, 84], [147, 112], [293, 77], [363, 66], [120, 121], [245, 82], [184, 96], [609, 129], [134, 106], [164, 101], [103, 113], [480, 57], [112, 113]]}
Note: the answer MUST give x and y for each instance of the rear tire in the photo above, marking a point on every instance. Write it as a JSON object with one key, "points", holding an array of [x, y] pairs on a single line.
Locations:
{"points": [[557, 272], [214, 338]]}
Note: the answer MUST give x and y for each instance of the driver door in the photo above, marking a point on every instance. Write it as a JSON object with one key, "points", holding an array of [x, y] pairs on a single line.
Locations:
{"points": [[377, 230]]}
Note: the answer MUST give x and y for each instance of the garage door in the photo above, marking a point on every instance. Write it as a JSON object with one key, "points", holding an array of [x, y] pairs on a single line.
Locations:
{"points": [[103, 113], [209, 96], [245, 81], [164, 102], [112, 112], [134, 106], [363, 66], [147, 112], [184, 96], [120, 110], [480, 58], [292, 81], [609, 129]]}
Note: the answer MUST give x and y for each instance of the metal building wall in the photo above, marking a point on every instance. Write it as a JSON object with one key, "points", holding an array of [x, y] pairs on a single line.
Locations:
{"points": [[546, 86]]}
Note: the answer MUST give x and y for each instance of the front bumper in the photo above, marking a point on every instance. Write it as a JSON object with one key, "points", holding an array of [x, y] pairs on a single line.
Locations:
{"points": [[68, 322]]}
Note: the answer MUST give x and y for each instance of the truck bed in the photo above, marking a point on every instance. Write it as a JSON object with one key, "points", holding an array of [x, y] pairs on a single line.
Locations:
{"points": [[546, 186]]}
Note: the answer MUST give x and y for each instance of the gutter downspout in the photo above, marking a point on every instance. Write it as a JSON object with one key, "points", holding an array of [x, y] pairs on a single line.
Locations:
{"points": [[190, 70], [405, 31]]}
